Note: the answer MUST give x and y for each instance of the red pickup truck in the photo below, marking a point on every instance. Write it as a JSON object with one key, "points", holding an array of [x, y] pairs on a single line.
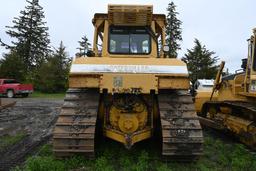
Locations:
{"points": [[11, 87]]}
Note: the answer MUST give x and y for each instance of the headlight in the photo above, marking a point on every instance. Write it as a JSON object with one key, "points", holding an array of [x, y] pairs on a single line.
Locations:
{"points": [[253, 85]]}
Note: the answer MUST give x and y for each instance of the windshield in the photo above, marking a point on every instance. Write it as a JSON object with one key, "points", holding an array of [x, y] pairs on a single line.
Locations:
{"points": [[129, 40]]}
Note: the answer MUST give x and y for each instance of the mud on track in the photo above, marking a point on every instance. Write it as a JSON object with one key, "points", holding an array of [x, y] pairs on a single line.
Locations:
{"points": [[33, 117]]}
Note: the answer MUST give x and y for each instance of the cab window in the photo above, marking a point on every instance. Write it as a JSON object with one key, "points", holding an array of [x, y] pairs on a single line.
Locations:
{"points": [[129, 40]]}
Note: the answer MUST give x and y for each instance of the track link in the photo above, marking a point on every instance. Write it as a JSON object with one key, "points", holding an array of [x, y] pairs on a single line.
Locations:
{"points": [[74, 132], [182, 137]]}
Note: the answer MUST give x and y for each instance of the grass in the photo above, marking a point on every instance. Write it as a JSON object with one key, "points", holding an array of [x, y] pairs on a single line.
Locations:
{"points": [[218, 156], [38, 94], [9, 140]]}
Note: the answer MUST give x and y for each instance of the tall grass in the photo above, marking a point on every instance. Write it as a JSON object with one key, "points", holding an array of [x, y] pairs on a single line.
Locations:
{"points": [[9, 140], [112, 156]]}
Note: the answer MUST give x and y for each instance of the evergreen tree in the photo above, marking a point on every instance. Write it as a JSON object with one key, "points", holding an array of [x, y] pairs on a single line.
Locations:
{"points": [[58, 65], [62, 63], [31, 37], [84, 46], [11, 66], [173, 30], [200, 62]]}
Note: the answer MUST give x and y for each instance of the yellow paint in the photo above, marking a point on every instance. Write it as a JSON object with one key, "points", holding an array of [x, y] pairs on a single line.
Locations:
{"points": [[146, 82], [78, 81], [128, 122], [129, 83], [202, 97], [122, 138], [176, 82]]}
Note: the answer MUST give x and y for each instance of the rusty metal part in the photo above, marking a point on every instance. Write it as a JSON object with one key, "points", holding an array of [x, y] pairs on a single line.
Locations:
{"points": [[74, 131], [182, 137]]}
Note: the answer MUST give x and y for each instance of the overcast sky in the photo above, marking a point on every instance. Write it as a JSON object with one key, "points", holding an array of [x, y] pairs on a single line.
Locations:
{"points": [[222, 25]]}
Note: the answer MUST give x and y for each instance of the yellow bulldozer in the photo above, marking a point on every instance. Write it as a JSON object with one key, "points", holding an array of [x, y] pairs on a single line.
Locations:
{"points": [[233, 109], [127, 89]]}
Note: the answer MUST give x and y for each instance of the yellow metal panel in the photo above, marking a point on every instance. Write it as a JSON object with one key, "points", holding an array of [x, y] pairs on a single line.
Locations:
{"points": [[253, 75], [202, 97], [173, 83], [237, 84], [154, 45], [82, 81], [226, 91], [122, 83], [252, 95], [120, 137], [105, 40], [95, 40]]}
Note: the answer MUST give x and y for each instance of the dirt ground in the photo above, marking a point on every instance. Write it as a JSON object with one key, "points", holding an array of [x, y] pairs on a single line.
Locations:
{"points": [[34, 118]]}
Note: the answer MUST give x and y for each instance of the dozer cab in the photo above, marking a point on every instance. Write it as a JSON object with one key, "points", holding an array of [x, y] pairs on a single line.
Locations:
{"points": [[128, 90], [234, 107]]}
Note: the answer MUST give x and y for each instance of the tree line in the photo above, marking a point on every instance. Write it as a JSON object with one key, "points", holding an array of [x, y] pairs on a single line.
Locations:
{"points": [[30, 57]]}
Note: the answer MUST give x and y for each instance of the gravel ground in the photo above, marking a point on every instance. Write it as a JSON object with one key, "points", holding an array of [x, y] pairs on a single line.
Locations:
{"points": [[33, 116]]}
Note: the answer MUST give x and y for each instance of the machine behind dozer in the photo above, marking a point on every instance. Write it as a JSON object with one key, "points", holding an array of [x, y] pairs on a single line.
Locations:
{"points": [[127, 90], [233, 109]]}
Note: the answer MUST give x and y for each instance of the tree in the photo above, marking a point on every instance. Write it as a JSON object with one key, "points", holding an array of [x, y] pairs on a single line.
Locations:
{"points": [[31, 37], [53, 74], [200, 62], [84, 46], [173, 30], [11, 66]]}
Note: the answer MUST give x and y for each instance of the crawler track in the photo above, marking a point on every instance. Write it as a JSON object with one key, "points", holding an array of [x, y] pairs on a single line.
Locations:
{"points": [[242, 113], [182, 136], [74, 132]]}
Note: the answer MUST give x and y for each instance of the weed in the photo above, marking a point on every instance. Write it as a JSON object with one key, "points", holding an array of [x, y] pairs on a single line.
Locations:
{"points": [[77, 162], [44, 164], [217, 156], [9, 140], [142, 162], [162, 167], [37, 94], [45, 150], [101, 164]]}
